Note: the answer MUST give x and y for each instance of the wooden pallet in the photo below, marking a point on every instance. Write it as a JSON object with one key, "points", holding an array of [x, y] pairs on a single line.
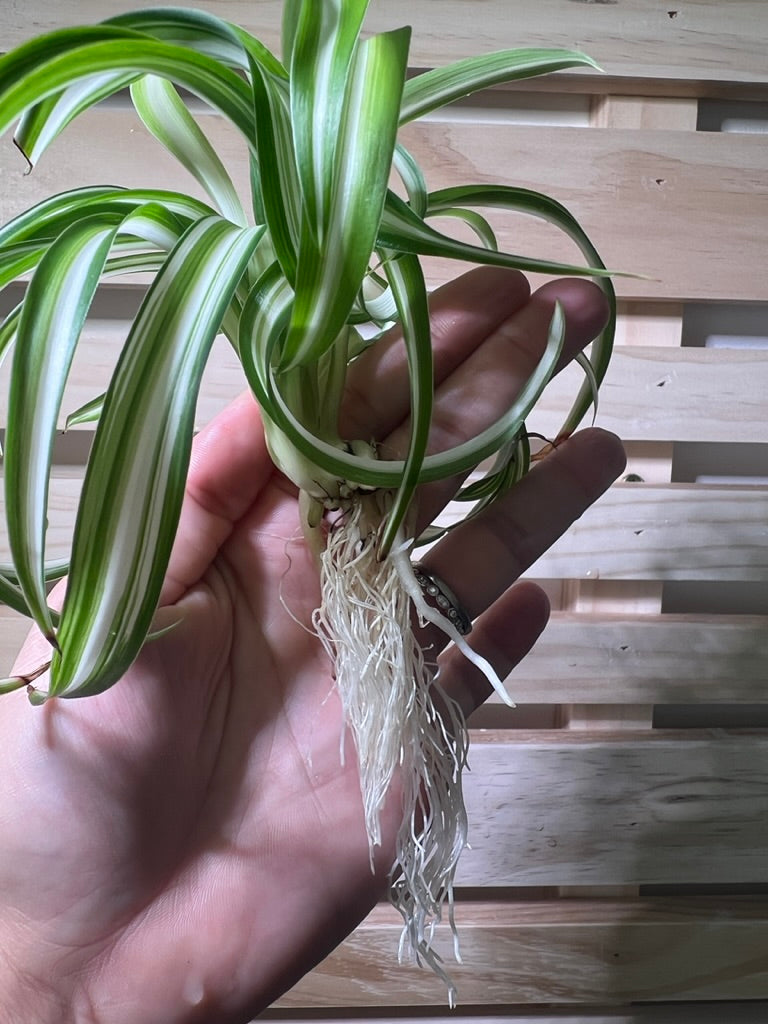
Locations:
{"points": [[618, 871]]}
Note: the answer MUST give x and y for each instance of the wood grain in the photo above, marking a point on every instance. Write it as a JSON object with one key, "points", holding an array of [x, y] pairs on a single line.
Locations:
{"points": [[560, 952], [634, 532], [650, 394], [691, 43], [563, 809], [95, 359], [666, 532], [666, 394], [623, 808], [608, 659], [701, 197], [684, 208], [649, 659]]}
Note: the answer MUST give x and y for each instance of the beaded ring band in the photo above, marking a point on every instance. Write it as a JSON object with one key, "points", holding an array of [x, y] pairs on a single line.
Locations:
{"points": [[443, 598]]}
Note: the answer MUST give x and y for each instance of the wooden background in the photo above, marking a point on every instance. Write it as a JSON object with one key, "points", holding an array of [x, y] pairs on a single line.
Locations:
{"points": [[619, 818]]}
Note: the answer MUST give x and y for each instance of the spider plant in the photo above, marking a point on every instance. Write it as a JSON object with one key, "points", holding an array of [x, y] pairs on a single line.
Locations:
{"points": [[301, 275]]}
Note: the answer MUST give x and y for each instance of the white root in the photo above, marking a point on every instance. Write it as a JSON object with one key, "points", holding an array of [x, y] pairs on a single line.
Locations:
{"points": [[406, 729], [428, 614]]}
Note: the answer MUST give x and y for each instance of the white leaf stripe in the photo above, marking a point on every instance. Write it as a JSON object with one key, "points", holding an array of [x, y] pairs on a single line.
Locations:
{"points": [[203, 32], [41, 218], [329, 278], [132, 493], [538, 205], [323, 51], [57, 302], [403, 231], [371, 472], [165, 115], [47, 220], [276, 168], [17, 260], [47, 331]]}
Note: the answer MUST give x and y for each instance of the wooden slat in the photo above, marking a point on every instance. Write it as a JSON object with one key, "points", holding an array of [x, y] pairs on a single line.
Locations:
{"points": [[692, 43], [561, 808], [667, 394], [62, 507], [635, 531], [616, 659], [654, 463], [650, 393], [657, 807], [656, 659], [94, 362], [13, 630], [560, 952], [126, 155], [678, 532], [704, 192], [672, 532]]}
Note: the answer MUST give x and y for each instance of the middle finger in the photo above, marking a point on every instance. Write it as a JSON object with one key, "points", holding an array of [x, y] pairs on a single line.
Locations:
{"points": [[485, 384]]}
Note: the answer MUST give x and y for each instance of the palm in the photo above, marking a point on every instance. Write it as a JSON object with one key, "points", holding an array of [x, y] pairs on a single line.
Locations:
{"points": [[209, 774], [191, 837]]}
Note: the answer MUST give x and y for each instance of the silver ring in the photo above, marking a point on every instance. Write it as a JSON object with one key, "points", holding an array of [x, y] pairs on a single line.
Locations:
{"points": [[443, 598]]}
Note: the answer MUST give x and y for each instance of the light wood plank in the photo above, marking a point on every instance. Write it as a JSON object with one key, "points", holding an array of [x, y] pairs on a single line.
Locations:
{"points": [[635, 531], [657, 807], [706, 192], [672, 532], [650, 394], [644, 112], [700, 799], [661, 807], [13, 630], [653, 659], [654, 463], [692, 43], [563, 952], [667, 394], [608, 659], [62, 508], [95, 359]]}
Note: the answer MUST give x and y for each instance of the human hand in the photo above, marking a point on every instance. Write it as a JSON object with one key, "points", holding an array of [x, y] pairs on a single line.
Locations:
{"points": [[184, 846]]}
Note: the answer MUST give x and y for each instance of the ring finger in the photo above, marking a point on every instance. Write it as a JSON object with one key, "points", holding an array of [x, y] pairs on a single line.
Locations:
{"points": [[482, 558]]}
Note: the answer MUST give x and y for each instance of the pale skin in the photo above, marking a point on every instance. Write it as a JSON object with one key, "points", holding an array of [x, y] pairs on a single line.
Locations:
{"points": [[183, 847]]}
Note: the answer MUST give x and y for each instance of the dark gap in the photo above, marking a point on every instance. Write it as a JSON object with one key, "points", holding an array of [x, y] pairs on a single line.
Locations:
{"points": [[743, 463], [729, 597], [725, 325], [728, 889], [111, 302], [710, 716], [732, 116]]}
